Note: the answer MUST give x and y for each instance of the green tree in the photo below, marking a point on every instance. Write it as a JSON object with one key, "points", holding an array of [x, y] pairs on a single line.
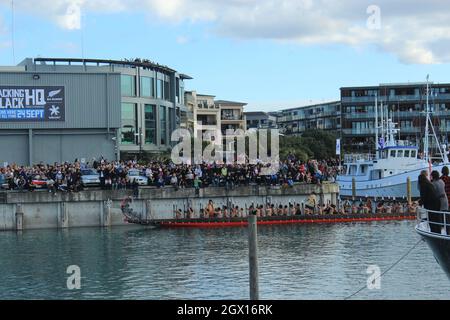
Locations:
{"points": [[313, 144]]}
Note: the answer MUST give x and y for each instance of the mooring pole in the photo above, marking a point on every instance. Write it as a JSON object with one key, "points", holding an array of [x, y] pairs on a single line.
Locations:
{"points": [[353, 189], [253, 256], [408, 189]]}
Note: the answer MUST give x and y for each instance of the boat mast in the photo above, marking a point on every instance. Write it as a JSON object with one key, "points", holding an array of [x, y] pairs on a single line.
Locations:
{"points": [[427, 128], [429, 124], [382, 122], [387, 126], [376, 124]]}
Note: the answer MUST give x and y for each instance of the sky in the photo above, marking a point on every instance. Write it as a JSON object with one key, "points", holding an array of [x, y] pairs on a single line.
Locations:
{"points": [[271, 54]]}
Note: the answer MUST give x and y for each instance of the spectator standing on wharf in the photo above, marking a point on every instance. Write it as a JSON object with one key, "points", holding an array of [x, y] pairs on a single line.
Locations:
{"points": [[439, 185], [430, 201], [445, 177]]}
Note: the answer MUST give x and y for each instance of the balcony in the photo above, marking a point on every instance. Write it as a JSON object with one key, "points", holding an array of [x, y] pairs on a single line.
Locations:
{"points": [[359, 132], [396, 114], [310, 116], [410, 130], [397, 98], [371, 115], [206, 106], [232, 118]]}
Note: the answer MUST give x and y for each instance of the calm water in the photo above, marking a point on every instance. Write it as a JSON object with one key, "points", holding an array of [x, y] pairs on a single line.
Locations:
{"points": [[296, 262]]}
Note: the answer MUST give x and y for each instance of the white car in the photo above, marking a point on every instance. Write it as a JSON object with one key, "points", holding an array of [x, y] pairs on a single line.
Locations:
{"points": [[90, 178], [135, 175]]}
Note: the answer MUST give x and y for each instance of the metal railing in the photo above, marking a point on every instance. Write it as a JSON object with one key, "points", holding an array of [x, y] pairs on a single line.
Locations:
{"points": [[438, 223], [354, 158]]}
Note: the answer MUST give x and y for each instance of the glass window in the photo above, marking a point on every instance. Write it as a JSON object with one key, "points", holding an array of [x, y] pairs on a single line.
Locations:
{"points": [[407, 152], [400, 154], [392, 153], [128, 129], [163, 124], [150, 124], [128, 87], [159, 89], [147, 87], [166, 91], [182, 95], [413, 154], [172, 120], [177, 90]]}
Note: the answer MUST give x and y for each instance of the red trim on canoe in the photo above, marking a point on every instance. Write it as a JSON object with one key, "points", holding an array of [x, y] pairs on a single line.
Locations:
{"points": [[243, 223]]}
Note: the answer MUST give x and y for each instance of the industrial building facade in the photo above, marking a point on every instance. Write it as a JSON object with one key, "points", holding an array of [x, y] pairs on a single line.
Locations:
{"points": [[89, 108]]}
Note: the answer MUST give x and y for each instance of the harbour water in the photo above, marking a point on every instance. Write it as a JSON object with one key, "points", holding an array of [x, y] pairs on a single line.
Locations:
{"points": [[296, 262]]}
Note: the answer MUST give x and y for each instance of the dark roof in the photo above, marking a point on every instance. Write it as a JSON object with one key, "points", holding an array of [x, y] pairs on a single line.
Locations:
{"points": [[230, 103], [131, 63], [185, 76]]}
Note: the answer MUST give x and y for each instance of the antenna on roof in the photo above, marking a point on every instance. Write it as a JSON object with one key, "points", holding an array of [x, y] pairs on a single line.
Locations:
{"points": [[12, 32], [82, 33]]}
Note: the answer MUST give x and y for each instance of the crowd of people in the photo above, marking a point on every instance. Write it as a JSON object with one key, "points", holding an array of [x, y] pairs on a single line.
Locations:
{"points": [[114, 175]]}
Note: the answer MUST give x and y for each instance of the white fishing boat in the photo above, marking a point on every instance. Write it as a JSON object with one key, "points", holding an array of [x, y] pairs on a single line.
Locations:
{"points": [[385, 173]]}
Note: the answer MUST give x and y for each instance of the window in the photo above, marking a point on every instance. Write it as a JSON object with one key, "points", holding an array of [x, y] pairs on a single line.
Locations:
{"points": [[172, 120], [166, 91], [407, 153], [413, 154], [177, 90], [400, 154], [392, 153], [150, 124], [163, 124], [147, 87], [128, 123], [160, 89], [128, 86]]}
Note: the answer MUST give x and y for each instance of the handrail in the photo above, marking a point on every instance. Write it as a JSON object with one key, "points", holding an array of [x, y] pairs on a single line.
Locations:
{"points": [[354, 158], [423, 216]]}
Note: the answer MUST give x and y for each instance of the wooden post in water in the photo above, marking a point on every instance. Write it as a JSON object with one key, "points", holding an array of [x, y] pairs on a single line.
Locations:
{"points": [[253, 256], [19, 218], [408, 189], [353, 189]]}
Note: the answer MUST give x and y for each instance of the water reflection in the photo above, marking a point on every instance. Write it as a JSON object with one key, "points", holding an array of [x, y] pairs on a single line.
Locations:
{"points": [[296, 262]]}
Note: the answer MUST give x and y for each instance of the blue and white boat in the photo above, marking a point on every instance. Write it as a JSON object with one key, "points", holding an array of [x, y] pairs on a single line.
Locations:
{"points": [[385, 173]]}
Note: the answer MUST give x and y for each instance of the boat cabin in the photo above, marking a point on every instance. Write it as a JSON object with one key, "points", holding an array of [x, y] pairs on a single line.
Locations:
{"points": [[389, 161]]}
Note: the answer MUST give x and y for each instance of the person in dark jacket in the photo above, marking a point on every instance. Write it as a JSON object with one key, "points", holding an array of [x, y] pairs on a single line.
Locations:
{"points": [[445, 177], [430, 201]]}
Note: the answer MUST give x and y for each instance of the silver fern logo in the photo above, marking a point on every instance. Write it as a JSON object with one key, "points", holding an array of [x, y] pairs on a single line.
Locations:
{"points": [[52, 94]]}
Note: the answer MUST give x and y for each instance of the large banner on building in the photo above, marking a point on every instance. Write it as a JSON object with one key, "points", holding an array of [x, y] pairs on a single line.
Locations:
{"points": [[32, 103]]}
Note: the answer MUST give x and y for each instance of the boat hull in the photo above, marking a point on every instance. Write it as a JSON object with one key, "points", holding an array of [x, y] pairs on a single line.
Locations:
{"points": [[440, 246], [282, 220], [389, 187]]}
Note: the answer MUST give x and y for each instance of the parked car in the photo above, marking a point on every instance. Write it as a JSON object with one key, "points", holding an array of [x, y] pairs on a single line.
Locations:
{"points": [[136, 175], [38, 183], [90, 178], [3, 182]]}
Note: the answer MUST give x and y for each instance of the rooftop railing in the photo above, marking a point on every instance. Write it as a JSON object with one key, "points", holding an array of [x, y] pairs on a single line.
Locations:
{"points": [[354, 158]]}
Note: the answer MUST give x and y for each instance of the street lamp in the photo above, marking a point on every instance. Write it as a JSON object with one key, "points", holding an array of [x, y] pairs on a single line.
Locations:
{"points": [[139, 137]]}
